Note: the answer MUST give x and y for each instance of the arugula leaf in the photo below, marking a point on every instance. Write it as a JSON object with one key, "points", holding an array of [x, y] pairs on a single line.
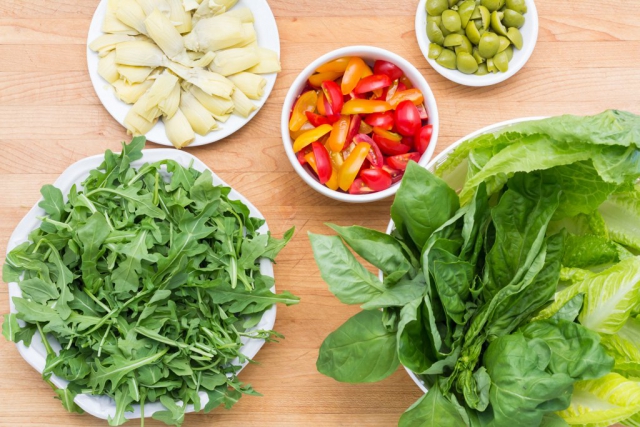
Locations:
{"points": [[10, 327], [359, 351], [249, 301], [274, 246]]}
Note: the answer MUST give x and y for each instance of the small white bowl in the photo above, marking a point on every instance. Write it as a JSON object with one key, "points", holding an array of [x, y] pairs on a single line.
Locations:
{"points": [[520, 56], [102, 406], [369, 54], [454, 181]]}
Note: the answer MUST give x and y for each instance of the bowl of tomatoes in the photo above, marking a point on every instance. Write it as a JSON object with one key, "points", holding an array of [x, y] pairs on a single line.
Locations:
{"points": [[354, 118]]}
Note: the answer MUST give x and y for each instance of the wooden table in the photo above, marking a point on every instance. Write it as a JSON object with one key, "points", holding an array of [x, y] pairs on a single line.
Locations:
{"points": [[586, 60]]}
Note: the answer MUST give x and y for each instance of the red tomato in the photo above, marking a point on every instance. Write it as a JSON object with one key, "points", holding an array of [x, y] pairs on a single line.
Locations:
{"points": [[423, 138], [400, 161], [423, 112], [376, 179], [371, 83], [396, 175], [323, 162], [390, 148], [359, 187], [383, 67], [407, 118], [380, 120], [301, 158], [316, 119], [408, 140], [333, 95], [354, 127], [374, 157]]}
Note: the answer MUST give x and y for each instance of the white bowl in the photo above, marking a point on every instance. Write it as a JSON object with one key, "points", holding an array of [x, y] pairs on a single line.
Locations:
{"points": [[268, 37], [35, 355], [369, 54], [520, 56], [455, 181]]}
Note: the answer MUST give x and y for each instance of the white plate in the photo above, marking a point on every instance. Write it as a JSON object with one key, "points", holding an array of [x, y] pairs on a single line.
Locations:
{"points": [[454, 180], [268, 37], [520, 56], [35, 355]]}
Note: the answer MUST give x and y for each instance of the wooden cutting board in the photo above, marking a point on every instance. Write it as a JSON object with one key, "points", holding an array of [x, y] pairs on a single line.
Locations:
{"points": [[586, 60]]}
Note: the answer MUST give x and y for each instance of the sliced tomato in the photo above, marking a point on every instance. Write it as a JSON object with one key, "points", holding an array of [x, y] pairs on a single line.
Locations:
{"points": [[323, 162], [423, 112], [354, 128], [359, 187], [389, 147], [408, 140], [423, 138], [400, 161], [380, 120], [317, 119], [392, 136], [301, 158], [377, 178], [333, 95], [407, 118], [373, 82], [387, 68], [396, 175], [375, 155]]}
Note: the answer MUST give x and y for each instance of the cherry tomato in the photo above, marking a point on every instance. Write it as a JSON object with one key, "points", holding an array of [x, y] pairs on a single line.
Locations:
{"points": [[413, 95], [375, 155], [400, 161], [359, 187], [371, 83], [365, 128], [354, 71], [407, 83], [423, 138], [321, 103], [306, 102], [365, 106], [377, 179], [316, 119], [387, 68], [389, 147], [310, 136], [323, 162], [301, 158], [333, 181], [423, 112], [392, 136], [333, 95], [407, 118], [380, 120], [352, 164], [339, 133], [396, 175], [354, 128], [317, 79], [337, 65]]}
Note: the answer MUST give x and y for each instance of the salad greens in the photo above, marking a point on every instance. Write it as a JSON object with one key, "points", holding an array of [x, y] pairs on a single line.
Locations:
{"points": [[149, 281], [510, 284]]}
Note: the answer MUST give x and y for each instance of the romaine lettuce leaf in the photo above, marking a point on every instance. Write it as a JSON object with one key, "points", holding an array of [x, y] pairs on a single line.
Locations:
{"points": [[625, 348], [621, 213], [602, 402]]}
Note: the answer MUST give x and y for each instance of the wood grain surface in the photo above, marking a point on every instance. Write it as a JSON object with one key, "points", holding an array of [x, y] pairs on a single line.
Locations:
{"points": [[587, 59]]}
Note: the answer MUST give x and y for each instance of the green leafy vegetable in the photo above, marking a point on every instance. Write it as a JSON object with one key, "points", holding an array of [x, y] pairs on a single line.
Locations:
{"points": [[150, 281]]}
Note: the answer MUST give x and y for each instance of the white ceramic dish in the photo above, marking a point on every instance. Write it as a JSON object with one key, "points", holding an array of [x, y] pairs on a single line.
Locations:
{"points": [[369, 54], [35, 355], [456, 180], [268, 37], [520, 56]]}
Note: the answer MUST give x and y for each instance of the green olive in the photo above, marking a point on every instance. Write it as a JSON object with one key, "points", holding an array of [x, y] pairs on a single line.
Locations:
{"points": [[489, 45], [444, 30], [434, 33], [496, 23], [464, 46], [465, 10], [512, 19], [447, 59], [501, 61], [515, 36], [491, 66], [492, 5], [476, 13], [509, 52], [452, 3], [476, 55], [504, 43], [451, 20], [434, 50], [482, 70], [472, 33], [466, 63], [485, 15], [436, 19], [519, 6], [453, 40], [436, 7]]}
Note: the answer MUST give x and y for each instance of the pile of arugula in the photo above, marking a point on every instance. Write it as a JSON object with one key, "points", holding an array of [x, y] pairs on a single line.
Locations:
{"points": [[148, 279], [517, 299]]}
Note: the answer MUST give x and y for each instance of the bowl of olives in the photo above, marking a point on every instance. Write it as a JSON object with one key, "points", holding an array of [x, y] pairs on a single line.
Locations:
{"points": [[477, 42]]}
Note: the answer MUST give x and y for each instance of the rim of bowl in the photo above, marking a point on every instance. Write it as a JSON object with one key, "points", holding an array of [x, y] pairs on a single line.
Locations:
{"points": [[412, 73], [470, 79]]}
